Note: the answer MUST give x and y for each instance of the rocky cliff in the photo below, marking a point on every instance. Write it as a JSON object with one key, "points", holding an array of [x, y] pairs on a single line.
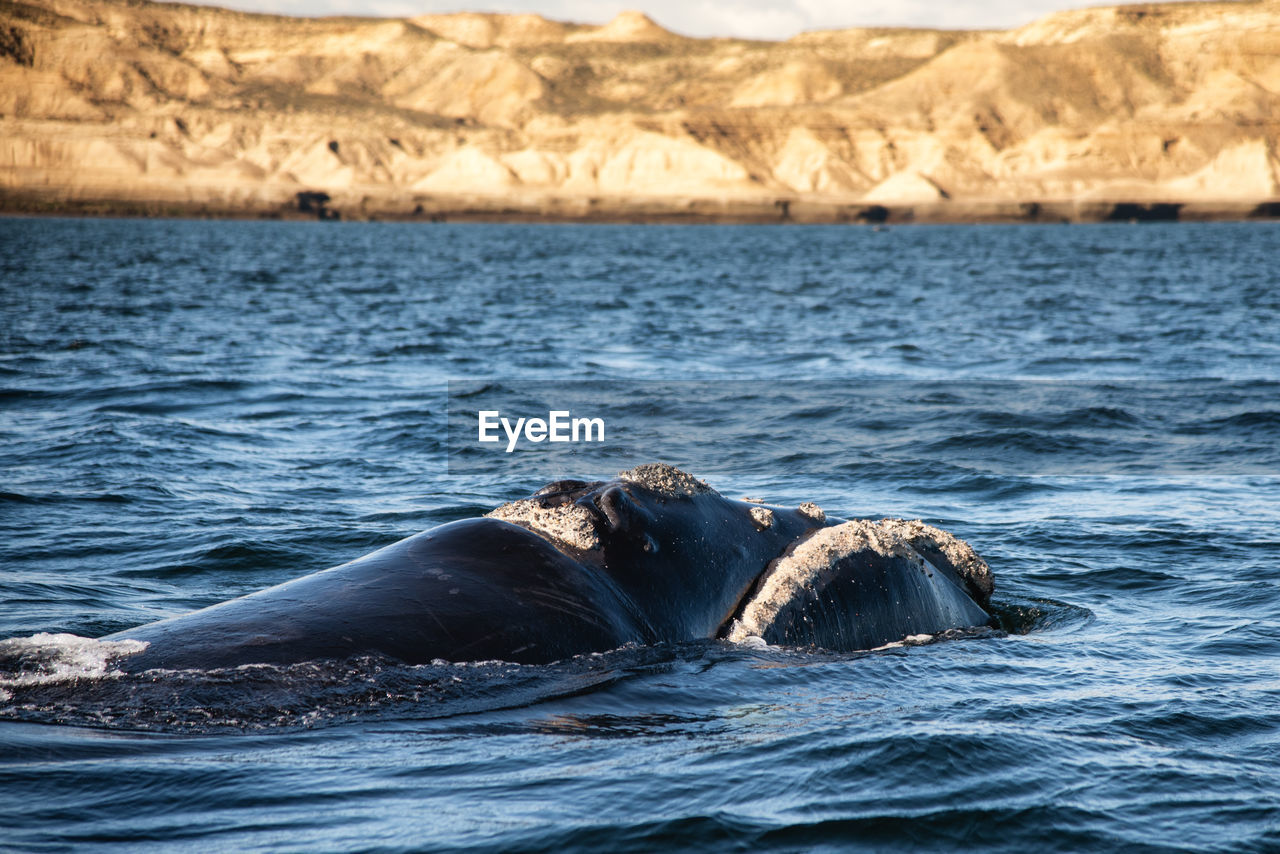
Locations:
{"points": [[117, 105]]}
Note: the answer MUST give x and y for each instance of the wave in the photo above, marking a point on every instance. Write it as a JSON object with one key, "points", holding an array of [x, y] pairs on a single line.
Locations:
{"points": [[67, 679], [53, 659]]}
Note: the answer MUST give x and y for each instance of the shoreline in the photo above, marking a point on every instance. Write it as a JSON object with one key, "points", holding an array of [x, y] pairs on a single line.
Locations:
{"points": [[314, 205], [142, 109]]}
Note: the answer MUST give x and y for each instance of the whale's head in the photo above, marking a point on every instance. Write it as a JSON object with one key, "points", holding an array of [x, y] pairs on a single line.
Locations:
{"points": [[666, 538], [698, 564]]}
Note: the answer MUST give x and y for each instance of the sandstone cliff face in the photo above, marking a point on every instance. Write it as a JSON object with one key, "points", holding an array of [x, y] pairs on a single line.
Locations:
{"points": [[120, 100]]}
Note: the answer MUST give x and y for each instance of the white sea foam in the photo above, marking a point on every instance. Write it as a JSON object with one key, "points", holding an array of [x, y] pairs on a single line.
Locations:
{"points": [[46, 658]]}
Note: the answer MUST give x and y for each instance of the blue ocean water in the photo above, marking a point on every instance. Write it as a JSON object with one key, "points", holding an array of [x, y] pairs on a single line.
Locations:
{"points": [[190, 411]]}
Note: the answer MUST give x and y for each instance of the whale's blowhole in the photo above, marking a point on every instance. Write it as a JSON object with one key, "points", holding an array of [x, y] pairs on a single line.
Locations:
{"points": [[558, 514]]}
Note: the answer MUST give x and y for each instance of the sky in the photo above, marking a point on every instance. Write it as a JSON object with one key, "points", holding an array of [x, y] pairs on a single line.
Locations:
{"points": [[760, 19]]}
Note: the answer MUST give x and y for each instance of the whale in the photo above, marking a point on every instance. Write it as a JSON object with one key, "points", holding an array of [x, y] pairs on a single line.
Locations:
{"points": [[651, 556]]}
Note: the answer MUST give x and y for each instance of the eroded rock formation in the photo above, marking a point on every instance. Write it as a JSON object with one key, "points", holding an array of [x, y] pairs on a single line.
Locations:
{"points": [[134, 105]]}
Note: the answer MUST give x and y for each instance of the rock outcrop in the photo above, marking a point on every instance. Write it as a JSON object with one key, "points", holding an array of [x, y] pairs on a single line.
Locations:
{"points": [[129, 106]]}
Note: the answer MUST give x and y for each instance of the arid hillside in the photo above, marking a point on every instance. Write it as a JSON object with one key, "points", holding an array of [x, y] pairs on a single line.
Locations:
{"points": [[119, 106]]}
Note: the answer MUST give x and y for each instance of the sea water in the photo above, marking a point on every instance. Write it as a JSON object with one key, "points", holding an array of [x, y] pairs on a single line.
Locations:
{"points": [[190, 411]]}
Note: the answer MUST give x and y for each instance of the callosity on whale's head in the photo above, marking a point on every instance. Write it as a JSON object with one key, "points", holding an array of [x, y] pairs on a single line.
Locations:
{"points": [[586, 516], [861, 584]]}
